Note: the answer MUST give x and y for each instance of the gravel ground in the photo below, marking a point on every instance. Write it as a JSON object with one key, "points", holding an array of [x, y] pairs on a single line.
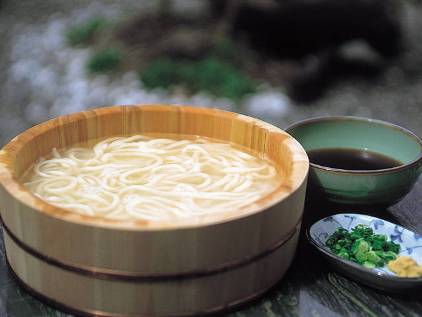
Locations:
{"points": [[41, 77]]}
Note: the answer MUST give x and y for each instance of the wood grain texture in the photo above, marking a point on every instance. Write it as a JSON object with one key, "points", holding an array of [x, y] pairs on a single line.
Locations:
{"points": [[148, 248], [185, 297], [309, 288]]}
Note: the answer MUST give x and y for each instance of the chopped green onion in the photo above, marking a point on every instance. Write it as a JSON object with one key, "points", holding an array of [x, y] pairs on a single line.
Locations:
{"points": [[363, 246]]}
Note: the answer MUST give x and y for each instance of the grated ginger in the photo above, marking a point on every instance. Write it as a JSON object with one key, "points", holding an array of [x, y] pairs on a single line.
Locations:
{"points": [[405, 266]]}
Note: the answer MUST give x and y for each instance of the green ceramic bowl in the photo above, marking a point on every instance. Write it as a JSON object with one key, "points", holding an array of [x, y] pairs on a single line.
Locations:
{"points": [[365, 187]]}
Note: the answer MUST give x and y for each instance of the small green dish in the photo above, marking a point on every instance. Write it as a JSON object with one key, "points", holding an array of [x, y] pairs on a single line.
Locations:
{"points": [[361, 187]]}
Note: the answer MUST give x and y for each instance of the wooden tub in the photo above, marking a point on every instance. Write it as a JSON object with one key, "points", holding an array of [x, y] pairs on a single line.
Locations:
{"points": [[107, 267]]}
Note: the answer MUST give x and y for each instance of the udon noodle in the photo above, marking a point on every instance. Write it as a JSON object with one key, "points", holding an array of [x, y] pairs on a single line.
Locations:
{"points": [[155, 179]]}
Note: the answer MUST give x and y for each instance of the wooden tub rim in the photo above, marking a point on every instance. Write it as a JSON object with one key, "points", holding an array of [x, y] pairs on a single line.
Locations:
{"points": [[300, 168]]}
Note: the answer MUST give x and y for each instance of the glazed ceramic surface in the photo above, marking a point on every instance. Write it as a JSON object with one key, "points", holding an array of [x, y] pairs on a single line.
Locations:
{"points": [[381, 278], [385, 186]]}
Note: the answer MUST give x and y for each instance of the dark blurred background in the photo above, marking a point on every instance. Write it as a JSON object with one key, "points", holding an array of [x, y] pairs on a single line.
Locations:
{"points": [[281, 61]]}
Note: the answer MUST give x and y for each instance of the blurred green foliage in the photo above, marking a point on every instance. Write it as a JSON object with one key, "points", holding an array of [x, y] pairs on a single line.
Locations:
{"points": [[225, 50], [210, 75], [84, 33], [105, 61]]}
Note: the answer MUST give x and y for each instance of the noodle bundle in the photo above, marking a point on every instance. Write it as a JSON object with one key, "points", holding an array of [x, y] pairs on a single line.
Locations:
{"points": [[154, 179]]}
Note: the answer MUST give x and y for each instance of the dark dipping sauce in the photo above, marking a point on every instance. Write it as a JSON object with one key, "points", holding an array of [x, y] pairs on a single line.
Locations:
{"points": [[351, 159]]}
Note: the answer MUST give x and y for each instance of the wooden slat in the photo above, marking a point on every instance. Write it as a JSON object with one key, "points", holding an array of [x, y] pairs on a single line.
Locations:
{"points": [[142, 247]]}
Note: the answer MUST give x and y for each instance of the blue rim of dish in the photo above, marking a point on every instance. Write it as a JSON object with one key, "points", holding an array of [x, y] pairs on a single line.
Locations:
{"points": [[379, 274], [404, 131]]}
